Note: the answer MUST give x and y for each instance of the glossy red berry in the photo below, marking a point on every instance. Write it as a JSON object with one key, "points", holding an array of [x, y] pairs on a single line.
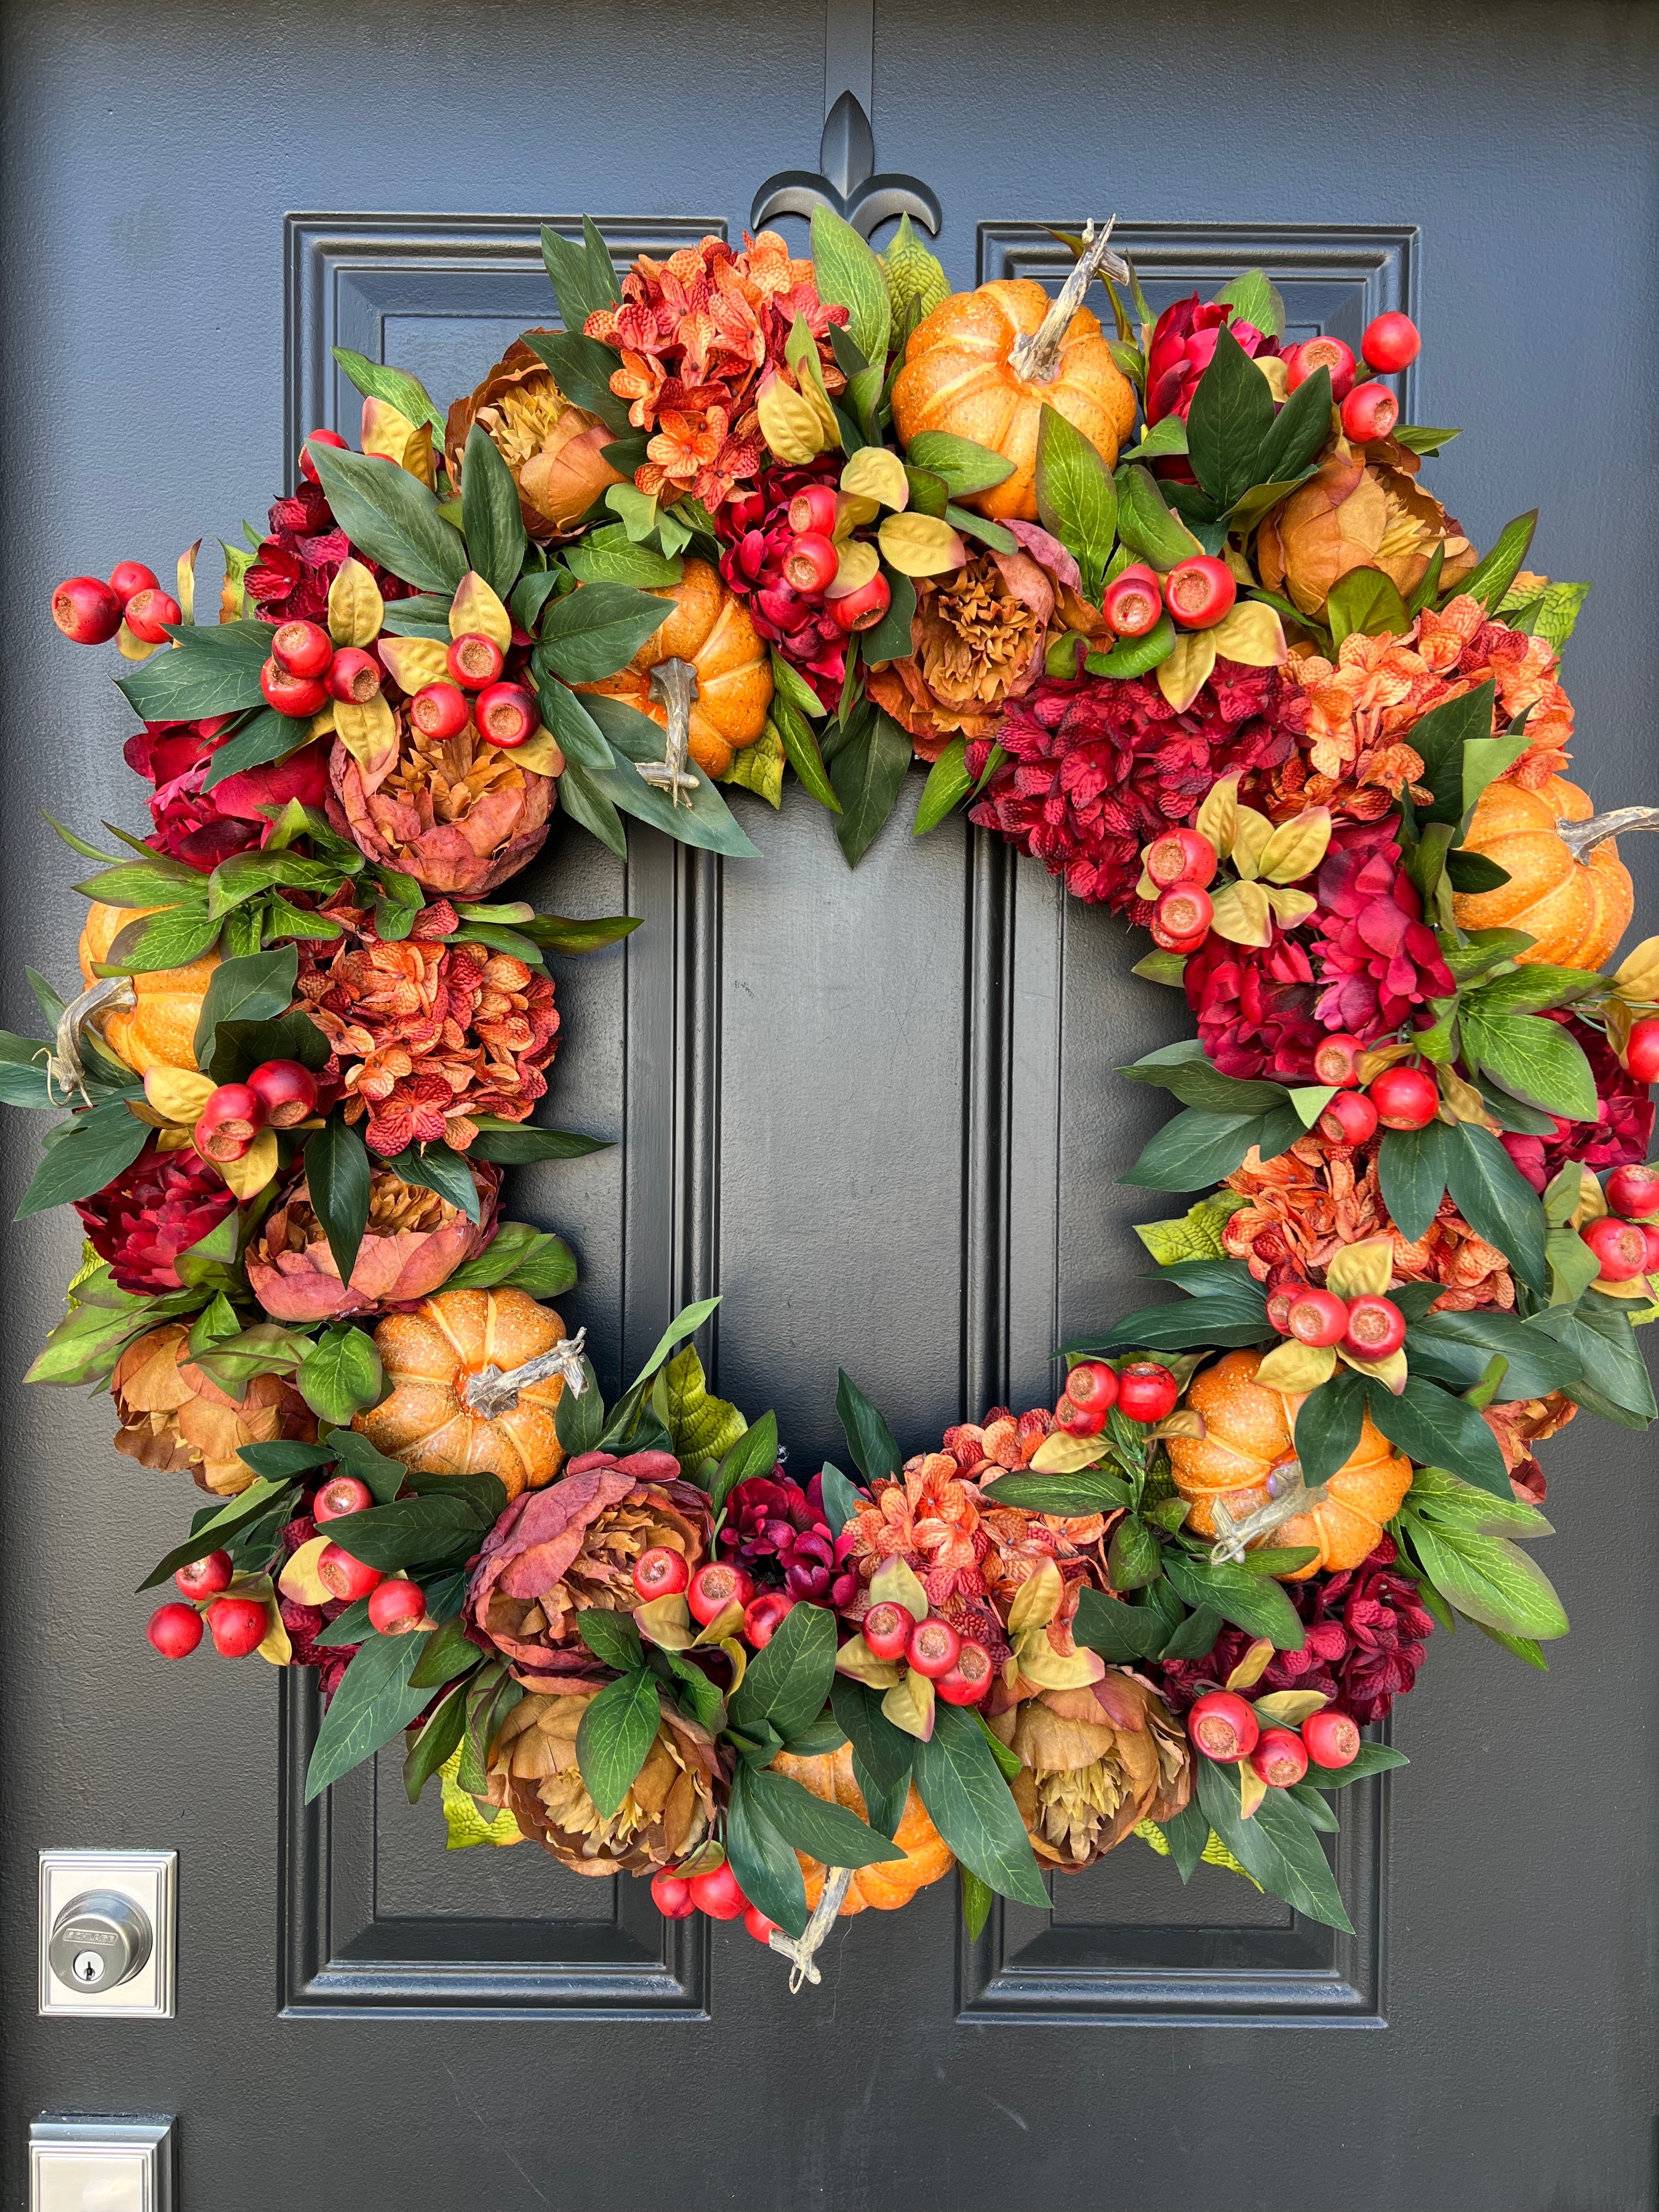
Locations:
{"points": [[237, 1624], [812, 511], [1133, 604], [1331, 1739], [715, 1587], [1281, 1757], [475, 660], [1199, 591], [354, 676], [439, 711], [1224, 1726], [1652, 1236], [717, 1893], [1392, 341], [1180, 856], [337, 1571], [1146, 1391], [1377, 1327], [932, 1648], [810, 564], [764, 1615], [230, 1122], [672, 1895], [308, 466], [661, 1571], [287, 1091], [1620, 1246], [1349, 1118], [147, 612], [128, 578], [206, 1578], [1404, 1098], [1167, 941], [1336, 1060], [86, 610], [301, 696], [1079, 1421], [1279, 1302], [1370, 410], [1314, 354], [1642, 1051], [1091, 1382], [395, 1607], [1316, 1317], [863, 609], [966, 1682], [303, 648], [340, 1495], [175, 1630], [756, 1923], [887, 1629], [1633, 1191], [506, 715], [1185, 911]]}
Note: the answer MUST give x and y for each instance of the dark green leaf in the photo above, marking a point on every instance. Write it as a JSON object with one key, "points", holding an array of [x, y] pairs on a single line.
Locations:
{"points": [[1371, 1759], [1327, 1425], [1076, 496], [1093, 1491], [1145, 522], [375, 1701], [172, 938], [214, 670], [1438, 1429], [868, 1437], [437, 1737], [267, 736], [253, 989], [969, 1803], [412, 1533], [519, 1258], [841, 1500], [1196, 1149], [1229, 422], [789, 1678], [341, 1376], [384, 1477], [1119, 1632], [1599, 1335], [887, 1753], [694, 1691], [976, 1900], [829, 1834], [1491, 576], [1300, 428], [450, 1652], [579, 737], [766, 1868], [1189, 1325], [392, 517], [239, 1047], [1184, 1071], [705, 822], [1135, 656], [1412, 1170], [213, 1532], [1534, 1059], [491, 515], [611, 556], [583, 281], [558, 932], [614, 1738], [1453, 1348], [1276, 1844], [1496, 1199], [338, 1177], [1259, 1607], [435, 1167], [582, 368], [891, 638], [582, 800], [90, 1151], [1473, 872], [1319, 1813], [1440, 737], [578, 1421], [1364, 603], [801, 748], [519, 1145], [867, 774], [1195, 1638], [1187, 1835], [592, 632]]}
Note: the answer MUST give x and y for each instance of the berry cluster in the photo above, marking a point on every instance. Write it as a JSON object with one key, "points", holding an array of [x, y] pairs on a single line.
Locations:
{"points": [[279, 1093], [1370, 411], [711, 1889], [1197, 593], [959, 1668], [1224, 1726], [1141, 1390], [825, 565], [89, 612], [663, 1572]]}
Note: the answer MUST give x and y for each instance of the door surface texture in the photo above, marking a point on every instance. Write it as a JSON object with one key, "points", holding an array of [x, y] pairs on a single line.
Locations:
{"points": [[875, 1111]]}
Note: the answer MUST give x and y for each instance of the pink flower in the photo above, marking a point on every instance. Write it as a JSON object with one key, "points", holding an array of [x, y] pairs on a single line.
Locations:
{"points": [[1183, 346], [1378, 960], [155, 1209], [756, 533], [413, 1244]]}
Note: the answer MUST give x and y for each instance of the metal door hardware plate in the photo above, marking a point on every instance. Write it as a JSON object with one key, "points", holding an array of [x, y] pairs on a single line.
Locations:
{"points": [[108, 1940], [94, 2165]]}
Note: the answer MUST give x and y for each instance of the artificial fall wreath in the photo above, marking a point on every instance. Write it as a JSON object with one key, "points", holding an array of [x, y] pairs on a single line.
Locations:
{"points": [[1247, 683]]}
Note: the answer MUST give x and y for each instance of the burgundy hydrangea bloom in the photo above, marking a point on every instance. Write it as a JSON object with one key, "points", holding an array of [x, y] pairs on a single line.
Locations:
{"points": [[1376, 958], [781, 1534], [1255, 1006], [306, 1623], [142, 1220], [203, 828], [755, 530], [1183, 346], [1620, 1134], [301, 558], [1096, 768], [1365, 1633]]}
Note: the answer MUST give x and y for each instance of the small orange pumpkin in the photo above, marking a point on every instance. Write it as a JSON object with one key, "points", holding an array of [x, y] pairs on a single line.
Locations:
{"points": [[430, 1356], [959, 375], [1248, 1433], [893, 1882], [1577, 908], [710, 628], [160, 1031]]}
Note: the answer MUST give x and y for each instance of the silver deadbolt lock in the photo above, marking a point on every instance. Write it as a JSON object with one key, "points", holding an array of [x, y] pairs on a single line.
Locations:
{"points": [[99, 1940]]}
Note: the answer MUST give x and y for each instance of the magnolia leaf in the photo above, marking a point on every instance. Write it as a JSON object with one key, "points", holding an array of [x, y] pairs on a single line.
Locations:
{"points": [[299, 1579], [1366, 1269], [1250, 632], [1218, 818], [909, 1705], [1290, 1708], [856, 1659], [1037, 1600], [895, 1583], [1290, 1367], [1242, 915], [415, 662], [666, 1621], [369, 733], [1252, 1666], [356, 607], [1060, 1454], [478, 612], [1184, 674], [1296, 848], [1251, 1790]]}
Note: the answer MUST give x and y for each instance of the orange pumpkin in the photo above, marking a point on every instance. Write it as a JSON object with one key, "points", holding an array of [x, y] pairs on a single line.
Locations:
{"points": [[710, 628], [1577, 908], [160, 1031], [894, 1881], [959, 376], [1248, 1433], [430, 1356]]}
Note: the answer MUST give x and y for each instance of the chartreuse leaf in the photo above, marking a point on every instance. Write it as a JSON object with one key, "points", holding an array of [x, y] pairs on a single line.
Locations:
{"points": [[848, 275], [375, 1701], [435, 1741], [1196, 1235], [755, 1451], [1277, 1846], [614, 1739], [969, 1803], [703, 1427], [1493, 575], [948, 784]]}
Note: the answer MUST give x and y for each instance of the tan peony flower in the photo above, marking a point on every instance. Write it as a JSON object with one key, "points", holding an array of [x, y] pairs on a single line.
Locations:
{"points": [[1363, 510], [554, 451], [172, 1417], [1095, 1763], [459, 815], [977, 641]]}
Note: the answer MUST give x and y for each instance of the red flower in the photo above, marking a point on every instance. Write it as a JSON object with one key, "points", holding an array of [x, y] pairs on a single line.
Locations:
{"points": [[153, 1211], [1255, 1008], [1378, 960], [756, 534], [306, 1623], [780, 1531], [1183, 346], [1620, 1132], [203, 828], [301, 558]]}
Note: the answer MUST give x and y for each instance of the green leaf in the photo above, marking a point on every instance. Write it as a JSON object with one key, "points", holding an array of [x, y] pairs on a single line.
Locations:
{"points": [[685, 1323], [969, 1803], [848, 275], [1600, 1338], [214, 670], [1327, 1425], [1491, 1580], [578, 1416], [1135, 656], [614, 1737], [583, 281], [948, 784], [842, 1498], [341, 1376], [392, 517], [1259, 1607], [1366, 603], [88, 1151], [790, 1677], [383, 1477], [1536, 1059], [1196, 1149], [579, 737], [891, 638], [611, 556], [519, 1258], [1227, 422], [1167, 436], [1528, 990], [1255, 298], [1076, 496], [1194, 1235], [339, 1179], [1491, 577], [375, 1702], [868, 1437], [766, 1868], [491, 515], [1435, 1429], [887, 1753], [1119, 1632], [256, 988], [707, 822], [435, 1167], [1440, 737], [963, 466], [211, 1536], [1186, 1835], [582, 368], [704, 1428], [754, 1451], [592, 632], [976, 1898], [1184, 1070], [1300, 428], [435, 1742], [1453, 1348], [866, 775], [412, 1533], [1093, 1490], [1195, 1637], [1370, 1758], [801, 748], [1412, 1171], [450, 1654], [396, 386], [1145, 522], [587, 806], [830, 1833], [1276, 1844], [1496, 1199]]}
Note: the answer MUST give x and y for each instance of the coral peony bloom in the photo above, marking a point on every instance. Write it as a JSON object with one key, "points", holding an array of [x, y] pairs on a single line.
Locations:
{"points": [[1362, 511], [553, 450], [413, 1244]]}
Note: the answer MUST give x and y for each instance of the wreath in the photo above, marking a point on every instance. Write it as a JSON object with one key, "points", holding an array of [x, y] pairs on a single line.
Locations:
{"points": [[1245, 682]]}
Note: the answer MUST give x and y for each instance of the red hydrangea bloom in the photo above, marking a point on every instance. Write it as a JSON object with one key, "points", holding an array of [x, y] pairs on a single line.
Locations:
{"points": [[1378, 960], [1255, 1006], [1097, 767], [203, 828], [1620, 1134], [781, 1534], [155, 1209], [1183, 345], [301, 558], [756, 531]]}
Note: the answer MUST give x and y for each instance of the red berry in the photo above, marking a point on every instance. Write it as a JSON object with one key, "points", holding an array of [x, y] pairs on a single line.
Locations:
{"points": [[966, 1683], [1642, 1051], [1331, 1739], [1279, 1302], [128, 578], [148, 612], [932, 1648], [1633, 1191], [1336, 1061], [810, 564], [303, 648], [206, 1578], [337, 1571], [758, 1923], [1652, 1236], [1180, 856], [340, 1495], [1184, 910], [716, 1586], [238, 1626], [1316, 1317], [1620, 1246], [1167, 941], [301, 696], [887, 1629], [1281, 1757], [1390, 343], [230, 1122], [395, 1605], [1377, 1327], [354, 676], [716, 1893], [1224, 1726], [475, 660], [86, 610], [308, 467], [672, 1895], [863, 609], [764, 1615], [661, 1572], [812, 511], [285, 1091], [1370, 410], [1199, 591], [1133, 604], [440, 710], [1349, 1118], [1092, 1383], [1146, 1391], [506, 715], [1404, 1098], [175, 1630], [1079, 1421], [1314, 354]]}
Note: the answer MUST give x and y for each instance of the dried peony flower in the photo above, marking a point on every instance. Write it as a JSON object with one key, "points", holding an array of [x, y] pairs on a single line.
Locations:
{"points": [[459, 815], [174, 1417], [155, 1209], [1094, 1763], [552, 449], [977, 641], [413, 1244], [1518, 1426], [1363, 511], [203, 828]]}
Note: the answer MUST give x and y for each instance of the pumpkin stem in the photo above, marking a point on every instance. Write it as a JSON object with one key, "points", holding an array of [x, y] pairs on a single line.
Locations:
{"points": [[1287, 1496], [64, 1067], [490, 1393], [837, 1882], [1036, 357], [1581, 837], [674, 683]]}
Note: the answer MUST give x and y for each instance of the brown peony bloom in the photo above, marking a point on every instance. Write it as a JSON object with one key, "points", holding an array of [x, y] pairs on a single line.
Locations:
{"points": [[459, 815], [1095, 1763], [414, 1243], [555, 1552], [555, 451], [1363, 511], [977, 641], [1520, 1425], [174, 1418], [667, 1812]]}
